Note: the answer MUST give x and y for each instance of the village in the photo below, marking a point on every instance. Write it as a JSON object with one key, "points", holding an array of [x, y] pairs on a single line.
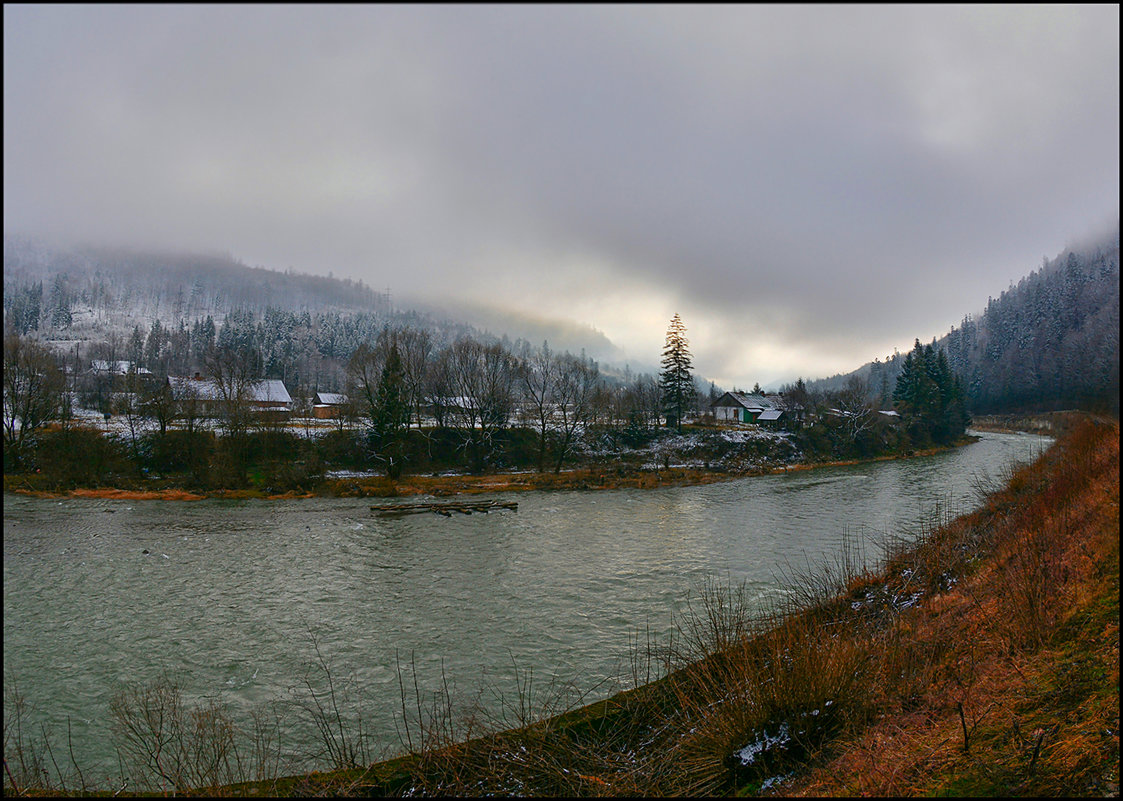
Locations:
{"points": [[401, 406], [202, 400]]}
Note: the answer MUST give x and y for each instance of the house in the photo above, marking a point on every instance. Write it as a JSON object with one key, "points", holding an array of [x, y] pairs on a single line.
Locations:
{"points": [[116, 374], [270, 397], [267, 397], [742, 407], [121, 367], [328, 405], [440, 406]]}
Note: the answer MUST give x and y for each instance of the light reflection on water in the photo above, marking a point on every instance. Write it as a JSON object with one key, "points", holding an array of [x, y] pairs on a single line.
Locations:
{"points": [[230, 591]]}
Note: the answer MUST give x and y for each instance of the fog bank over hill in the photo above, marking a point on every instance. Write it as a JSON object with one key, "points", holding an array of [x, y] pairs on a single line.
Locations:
{"points": [[87, 293]]}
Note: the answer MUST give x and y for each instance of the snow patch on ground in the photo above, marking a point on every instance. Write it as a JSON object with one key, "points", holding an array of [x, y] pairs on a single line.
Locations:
{"points": [[763, 743], [743, 435]]}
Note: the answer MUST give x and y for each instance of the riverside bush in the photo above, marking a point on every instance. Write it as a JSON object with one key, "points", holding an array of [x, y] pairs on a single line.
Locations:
{"points": [[187, 452], [81, 457]]}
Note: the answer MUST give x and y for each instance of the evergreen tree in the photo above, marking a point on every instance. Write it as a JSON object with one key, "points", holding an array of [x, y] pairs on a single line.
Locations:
{"points": [[135, 348], [930, 397], [675, 381], [153, 345], [391, 413], [22, 308], [60, 304]]}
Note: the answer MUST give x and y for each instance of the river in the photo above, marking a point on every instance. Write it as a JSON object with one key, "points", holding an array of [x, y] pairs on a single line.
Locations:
{"points": [[231, 594]]}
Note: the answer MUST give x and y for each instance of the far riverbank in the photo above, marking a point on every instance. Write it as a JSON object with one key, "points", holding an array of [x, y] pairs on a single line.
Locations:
{"points": [[363, 486]]}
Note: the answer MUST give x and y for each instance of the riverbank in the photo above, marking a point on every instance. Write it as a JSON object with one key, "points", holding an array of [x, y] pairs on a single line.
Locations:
{"points": [[371, 486], [982, 661], [1044, 423]]}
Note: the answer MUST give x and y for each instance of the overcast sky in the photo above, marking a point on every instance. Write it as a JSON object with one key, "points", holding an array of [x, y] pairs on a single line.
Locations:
{"points": [[809, 187]]}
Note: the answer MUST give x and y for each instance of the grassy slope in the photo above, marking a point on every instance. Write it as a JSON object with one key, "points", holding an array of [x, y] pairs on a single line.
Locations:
{"points": [[1026, 646]]}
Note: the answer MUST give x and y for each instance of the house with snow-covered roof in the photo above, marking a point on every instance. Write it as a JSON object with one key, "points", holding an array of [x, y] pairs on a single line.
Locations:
{"points": [[119, 367], [743, 407], [267, 397], [328, 405]]}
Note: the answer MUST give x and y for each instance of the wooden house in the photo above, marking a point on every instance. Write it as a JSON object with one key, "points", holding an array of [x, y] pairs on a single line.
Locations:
{"points": [[328, 405], [267, 397], [741, 407]]}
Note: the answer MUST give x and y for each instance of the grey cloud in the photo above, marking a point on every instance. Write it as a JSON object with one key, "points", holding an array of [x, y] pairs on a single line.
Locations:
{"points": [[853, 176]]}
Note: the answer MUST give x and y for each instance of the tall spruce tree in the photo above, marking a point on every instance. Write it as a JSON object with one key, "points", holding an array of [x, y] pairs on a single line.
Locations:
{"points": [[676, 381], [390, 416]]}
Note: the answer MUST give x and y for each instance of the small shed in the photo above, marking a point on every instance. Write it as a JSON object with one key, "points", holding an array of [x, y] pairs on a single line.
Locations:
{"points": [[328, 405]]}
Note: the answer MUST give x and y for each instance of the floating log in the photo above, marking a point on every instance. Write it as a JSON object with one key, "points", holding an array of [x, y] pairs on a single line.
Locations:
{"points": [[445, 508]]}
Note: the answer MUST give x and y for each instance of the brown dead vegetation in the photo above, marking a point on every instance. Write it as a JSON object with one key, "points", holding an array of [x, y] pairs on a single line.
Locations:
{"points": [[1008, 682]]}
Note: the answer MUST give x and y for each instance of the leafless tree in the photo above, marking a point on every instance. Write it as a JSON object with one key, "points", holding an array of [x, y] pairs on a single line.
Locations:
{"points": [[539, 378], [856, 412], [364, 372], [234, 370], [159, 403], [187, 405], [483, 378], [33, 386], [574, 392], [439, 386], [415, 346], [127, 404]]}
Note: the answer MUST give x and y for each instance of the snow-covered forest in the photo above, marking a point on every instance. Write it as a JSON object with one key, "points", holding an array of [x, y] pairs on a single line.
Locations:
{"points": [[1049, 342], [165, 311]]}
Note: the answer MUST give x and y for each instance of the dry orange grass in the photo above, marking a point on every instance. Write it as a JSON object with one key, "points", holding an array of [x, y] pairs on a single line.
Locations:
{"points": [[1022, 696], [138, 495]]}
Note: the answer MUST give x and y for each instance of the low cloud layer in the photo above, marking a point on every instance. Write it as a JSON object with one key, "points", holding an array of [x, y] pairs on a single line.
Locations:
{"points": [[809, 187]]}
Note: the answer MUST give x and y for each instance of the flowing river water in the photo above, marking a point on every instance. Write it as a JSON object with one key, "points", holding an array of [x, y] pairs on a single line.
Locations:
{"points": [[231, 595]]}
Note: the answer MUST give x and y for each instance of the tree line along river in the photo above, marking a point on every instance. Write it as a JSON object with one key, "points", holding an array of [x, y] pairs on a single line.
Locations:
{"points": [[236, 596]]}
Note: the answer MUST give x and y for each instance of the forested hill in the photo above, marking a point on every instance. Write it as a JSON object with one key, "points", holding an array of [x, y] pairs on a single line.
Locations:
{"points": [[1049, 342], [94, 294], [170, 285]]}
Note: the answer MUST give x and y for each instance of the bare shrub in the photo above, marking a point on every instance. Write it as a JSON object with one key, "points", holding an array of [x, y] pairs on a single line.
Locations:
{"points": [[332, 705], [717, 619], [162, 741], [742, 712], [25, 750]]}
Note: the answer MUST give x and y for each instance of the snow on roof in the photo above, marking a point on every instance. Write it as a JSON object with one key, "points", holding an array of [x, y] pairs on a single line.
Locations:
{"points": [[269, 390], [331, 398], [120, 367], [754, 403], [770, 414], [201, 388]]}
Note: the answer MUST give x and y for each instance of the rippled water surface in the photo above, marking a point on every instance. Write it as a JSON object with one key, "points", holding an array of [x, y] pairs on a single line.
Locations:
{"points": [[229, 592]]}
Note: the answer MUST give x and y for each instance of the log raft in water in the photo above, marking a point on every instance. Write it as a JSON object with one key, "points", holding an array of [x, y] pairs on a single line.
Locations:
{"points": [[444, 508]]}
